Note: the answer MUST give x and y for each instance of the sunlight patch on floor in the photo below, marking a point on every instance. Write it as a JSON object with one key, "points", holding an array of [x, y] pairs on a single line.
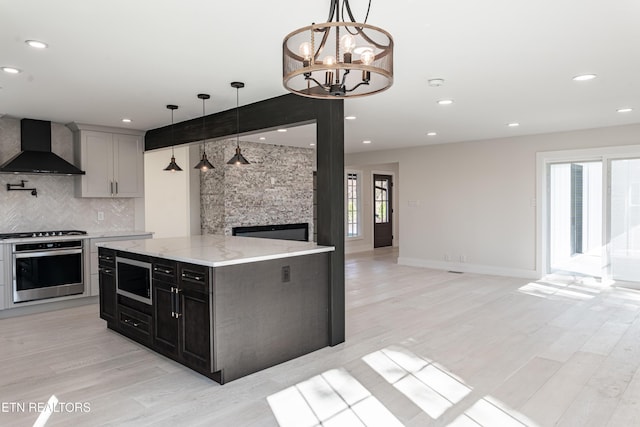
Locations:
{"points": [[333, 398], [427, 384], [488, 412], [556, 291]]}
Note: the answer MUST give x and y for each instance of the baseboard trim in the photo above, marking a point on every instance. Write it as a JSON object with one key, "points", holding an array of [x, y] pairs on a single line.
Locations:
{"points": [[469, 268]]}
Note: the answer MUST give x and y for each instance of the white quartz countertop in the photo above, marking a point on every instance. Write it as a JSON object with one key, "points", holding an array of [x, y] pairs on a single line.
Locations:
{"points": [[217, 251]]}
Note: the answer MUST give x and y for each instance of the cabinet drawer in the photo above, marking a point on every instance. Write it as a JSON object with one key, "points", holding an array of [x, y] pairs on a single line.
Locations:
{"points": [[135, 325], [106, 258], [194, 276], [165, 271]]}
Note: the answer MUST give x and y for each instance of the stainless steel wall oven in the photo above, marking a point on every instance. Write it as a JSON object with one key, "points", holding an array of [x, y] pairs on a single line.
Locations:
{"points": [[47, 269]]}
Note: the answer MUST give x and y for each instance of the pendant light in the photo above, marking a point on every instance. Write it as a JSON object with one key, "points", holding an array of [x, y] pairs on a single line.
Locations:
{"points": [[238, 158], [204, 164], [173, 166]]}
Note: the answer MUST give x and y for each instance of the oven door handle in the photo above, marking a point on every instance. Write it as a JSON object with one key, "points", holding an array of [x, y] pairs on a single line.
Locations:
{"points": [[56, 252]]}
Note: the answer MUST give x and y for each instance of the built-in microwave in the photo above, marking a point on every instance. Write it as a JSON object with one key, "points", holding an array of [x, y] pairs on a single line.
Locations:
{"points": [[133, 279]]}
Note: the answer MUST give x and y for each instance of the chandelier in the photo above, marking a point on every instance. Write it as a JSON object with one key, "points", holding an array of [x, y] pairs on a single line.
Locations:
{"points": [[338, 59]]}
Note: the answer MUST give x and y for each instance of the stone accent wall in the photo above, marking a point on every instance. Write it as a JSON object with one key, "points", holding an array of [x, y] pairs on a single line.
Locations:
{"points": [[276, 188], [56, 206]]}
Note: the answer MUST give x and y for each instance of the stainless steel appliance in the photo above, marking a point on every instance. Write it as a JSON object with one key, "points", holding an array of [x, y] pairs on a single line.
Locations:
{"points": [[46, 266], [133, 279]]}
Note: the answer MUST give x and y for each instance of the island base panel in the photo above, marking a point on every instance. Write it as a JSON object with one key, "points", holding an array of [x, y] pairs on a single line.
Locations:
{"points": [[269, 312]]}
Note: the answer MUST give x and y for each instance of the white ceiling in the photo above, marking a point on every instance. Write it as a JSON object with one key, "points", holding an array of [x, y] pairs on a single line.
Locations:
{"points": [[502, 60]]}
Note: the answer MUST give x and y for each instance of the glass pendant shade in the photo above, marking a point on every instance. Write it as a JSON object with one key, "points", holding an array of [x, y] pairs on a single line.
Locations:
{"points": [[173, 166]]}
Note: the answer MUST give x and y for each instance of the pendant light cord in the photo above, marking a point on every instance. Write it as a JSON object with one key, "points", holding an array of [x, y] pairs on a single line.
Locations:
{"points": [[172, 139], [204, 139], [237, 117]]}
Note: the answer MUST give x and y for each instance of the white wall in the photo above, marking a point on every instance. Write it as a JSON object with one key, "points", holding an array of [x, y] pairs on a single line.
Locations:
{"points": [[172, 199], [473, 203], [365, 241]]}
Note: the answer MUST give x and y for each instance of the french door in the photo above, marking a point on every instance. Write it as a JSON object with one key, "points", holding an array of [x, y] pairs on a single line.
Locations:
{"points": [[624, 219], [593, 218]]}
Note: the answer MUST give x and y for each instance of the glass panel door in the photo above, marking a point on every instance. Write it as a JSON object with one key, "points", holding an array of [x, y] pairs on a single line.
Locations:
{"points": [[382, 211], [624, 249], [575, 218]]}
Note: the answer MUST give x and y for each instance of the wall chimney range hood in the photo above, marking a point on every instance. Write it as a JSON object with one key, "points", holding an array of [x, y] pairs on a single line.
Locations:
{"points": [[36, 156]]}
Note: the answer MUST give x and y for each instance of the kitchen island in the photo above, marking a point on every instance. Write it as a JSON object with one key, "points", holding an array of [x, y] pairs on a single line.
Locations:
{"points": [[224, 306]]}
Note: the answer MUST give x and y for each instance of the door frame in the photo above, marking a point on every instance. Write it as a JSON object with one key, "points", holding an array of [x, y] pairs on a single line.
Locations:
{"points": [[543, 160], [394, 207]]}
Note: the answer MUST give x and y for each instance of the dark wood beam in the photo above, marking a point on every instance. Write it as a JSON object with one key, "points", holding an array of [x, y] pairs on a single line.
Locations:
{"points": [[262, 115], [287, 110]]}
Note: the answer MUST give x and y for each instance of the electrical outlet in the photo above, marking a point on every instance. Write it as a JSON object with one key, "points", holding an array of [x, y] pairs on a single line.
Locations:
{"points": [[447, 257], [100, 216], [286, 273]]}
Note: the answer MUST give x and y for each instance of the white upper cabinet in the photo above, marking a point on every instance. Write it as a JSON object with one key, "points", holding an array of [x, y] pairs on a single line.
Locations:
{"points": [[112, 159]]}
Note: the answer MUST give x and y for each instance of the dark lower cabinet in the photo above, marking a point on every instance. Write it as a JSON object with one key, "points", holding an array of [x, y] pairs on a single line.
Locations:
{"points": [[195, 333], [107, 280], [165, 331], [181, 314], [224, 322]]}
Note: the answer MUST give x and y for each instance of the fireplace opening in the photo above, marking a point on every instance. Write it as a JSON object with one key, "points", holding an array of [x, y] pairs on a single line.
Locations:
{"points": [[299, 232]]}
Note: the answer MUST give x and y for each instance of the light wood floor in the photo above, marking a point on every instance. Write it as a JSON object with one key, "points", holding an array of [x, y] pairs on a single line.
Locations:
{"points": [[424, 348]]}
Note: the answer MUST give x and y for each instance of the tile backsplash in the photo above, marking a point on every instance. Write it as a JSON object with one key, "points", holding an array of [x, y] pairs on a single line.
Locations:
{"points": [[56, 206]]}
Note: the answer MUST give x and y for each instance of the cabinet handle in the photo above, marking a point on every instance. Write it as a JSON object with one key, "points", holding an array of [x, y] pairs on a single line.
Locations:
{"points": [[105, 257], [112, 187], [116, 187], [105, 270], [163, 270], [131, 322], [177, 302], [189, 276], [173, 303]]}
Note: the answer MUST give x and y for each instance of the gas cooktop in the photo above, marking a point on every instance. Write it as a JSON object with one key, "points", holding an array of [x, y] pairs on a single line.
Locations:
{"points": [[31, 234]]}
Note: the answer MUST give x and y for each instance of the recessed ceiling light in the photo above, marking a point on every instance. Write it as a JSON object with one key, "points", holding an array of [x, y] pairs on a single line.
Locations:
{"points": [[11, 70], [625, 110], [366, 141], [436, 82], [513, 125], [126, 120], [445, 101], [282, 130], [350, 118], [584, 77], [37, 44], [262, 138], [431, 134]]}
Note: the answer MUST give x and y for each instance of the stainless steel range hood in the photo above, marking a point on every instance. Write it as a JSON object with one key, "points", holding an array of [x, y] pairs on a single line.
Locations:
{"points": [[36, 156]]}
